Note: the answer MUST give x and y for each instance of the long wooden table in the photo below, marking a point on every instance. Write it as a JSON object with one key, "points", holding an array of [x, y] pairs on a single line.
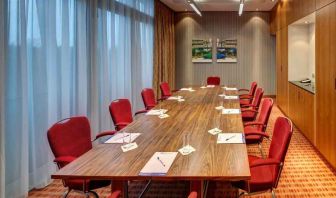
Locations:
{"points": [[196, 115]]}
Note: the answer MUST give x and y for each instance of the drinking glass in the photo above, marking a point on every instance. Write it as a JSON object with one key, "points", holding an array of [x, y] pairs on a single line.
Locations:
{"points": [[186, 137]]}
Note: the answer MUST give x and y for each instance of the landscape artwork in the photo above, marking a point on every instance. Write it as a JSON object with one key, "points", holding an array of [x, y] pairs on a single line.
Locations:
{"points": [[201, 51], [226, 51]]}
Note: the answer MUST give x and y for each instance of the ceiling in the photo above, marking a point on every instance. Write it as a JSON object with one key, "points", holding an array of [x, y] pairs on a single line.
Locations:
{"points": [[221, 5]]}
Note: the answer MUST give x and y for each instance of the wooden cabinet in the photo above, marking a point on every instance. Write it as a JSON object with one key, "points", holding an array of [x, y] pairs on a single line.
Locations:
{"points": [[302, 111], [321, 3], [326, 82], [282, 69]]}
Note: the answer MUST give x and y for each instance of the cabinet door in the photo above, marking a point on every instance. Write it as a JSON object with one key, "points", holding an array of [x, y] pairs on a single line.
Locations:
{"points": [[325, 82], [284, 70]]}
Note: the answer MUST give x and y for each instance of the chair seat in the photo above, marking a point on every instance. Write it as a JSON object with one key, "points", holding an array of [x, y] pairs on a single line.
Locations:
{"points": [[248, 116], [261, 177], [77, 184], [244, 102], [252, 139]]}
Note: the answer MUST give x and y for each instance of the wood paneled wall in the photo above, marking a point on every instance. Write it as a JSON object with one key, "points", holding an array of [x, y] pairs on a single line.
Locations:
{"points": [[256, 48], [324, 116]]}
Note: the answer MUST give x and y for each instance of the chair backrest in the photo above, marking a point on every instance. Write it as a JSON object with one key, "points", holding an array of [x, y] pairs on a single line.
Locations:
{"points": [[257, 98], [165, 89], [70, 137], [253, 88], [121, 111], [213, 80], [265, 112], [282, 133], [148, 98]]}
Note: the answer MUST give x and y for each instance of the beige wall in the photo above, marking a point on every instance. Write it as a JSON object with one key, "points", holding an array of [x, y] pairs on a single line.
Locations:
{"points": [[256, 48]]}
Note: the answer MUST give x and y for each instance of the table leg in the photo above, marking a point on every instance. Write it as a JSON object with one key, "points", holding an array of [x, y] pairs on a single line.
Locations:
{"points": [[199, 187], [120, 185]]}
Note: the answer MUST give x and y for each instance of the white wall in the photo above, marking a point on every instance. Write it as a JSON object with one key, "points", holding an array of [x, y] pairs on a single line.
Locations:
{"points": [[301, 51]]}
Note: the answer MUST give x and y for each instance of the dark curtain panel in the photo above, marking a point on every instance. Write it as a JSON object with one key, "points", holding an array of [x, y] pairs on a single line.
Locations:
{"points": [[164, 47]]}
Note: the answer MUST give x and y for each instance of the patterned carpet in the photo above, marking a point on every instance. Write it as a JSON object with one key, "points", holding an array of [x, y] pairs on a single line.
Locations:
{"points": [[305, 174]]}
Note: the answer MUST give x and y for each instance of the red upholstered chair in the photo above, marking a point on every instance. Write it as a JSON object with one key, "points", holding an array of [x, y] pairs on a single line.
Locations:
{"points": [[69, 139], [213, 80], [250, 111], [265, 173], [253, 129], [148, 98], [165, 90], [247, 98], [121, 113]]}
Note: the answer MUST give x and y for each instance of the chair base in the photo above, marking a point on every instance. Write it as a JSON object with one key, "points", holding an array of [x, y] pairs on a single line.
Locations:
{"points": [[254, 193], [86, 194]]}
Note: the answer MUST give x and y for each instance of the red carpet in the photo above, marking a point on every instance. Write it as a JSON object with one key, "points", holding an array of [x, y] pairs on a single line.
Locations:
{"points": [[305, 174]]}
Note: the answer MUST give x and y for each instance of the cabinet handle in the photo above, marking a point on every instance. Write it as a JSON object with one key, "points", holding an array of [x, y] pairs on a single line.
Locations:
{"points": [[335, 83]]}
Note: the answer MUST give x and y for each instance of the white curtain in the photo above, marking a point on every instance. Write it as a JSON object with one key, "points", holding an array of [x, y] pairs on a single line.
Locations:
{"points": [[61, 58]]}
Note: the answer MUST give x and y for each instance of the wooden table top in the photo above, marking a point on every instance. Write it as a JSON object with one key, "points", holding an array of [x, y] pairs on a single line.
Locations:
{"points": [[197, 115]]}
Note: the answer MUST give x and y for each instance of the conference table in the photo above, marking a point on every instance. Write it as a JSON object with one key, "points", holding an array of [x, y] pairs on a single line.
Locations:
{"points": [[195, 116]]}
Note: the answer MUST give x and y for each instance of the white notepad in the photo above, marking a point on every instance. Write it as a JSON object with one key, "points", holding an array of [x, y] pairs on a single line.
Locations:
{"points": [[230, 88], [118, 138], [156, 111], [210, 86], [159, 163], [231, 138], [187, 89], [175, 97], [219, 107], [230, 111], [231, 97]]}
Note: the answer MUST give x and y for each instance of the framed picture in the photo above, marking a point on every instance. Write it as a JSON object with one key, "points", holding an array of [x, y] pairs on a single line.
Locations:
{"points": [[201, 51], [226, 51]]}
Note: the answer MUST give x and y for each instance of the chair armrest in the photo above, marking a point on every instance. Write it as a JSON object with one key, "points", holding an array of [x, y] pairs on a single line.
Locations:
{"points": [[247, 105], [64, 160], [141, 111], [254, 124], [115, 194], [249, 110], [265, 162], [263, 134], [243, 90], [193, 195], [104, 133], [245, 96]]}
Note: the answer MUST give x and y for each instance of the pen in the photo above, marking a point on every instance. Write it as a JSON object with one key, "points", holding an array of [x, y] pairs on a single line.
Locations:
{"points": [[230, 138], [161, 162]]}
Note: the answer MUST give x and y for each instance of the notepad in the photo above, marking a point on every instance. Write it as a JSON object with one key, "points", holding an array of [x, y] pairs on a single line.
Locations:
{"points": [[156, 111], [187, 89], [158, 164], [187, 150], [210, 86], [203, 87], [231, 97], [214, 131], [121, 137], [231, 138], [231, 111], [219, 107], [181, 100], [221, 95], [163, 116], [230, 88], [175, 97]]}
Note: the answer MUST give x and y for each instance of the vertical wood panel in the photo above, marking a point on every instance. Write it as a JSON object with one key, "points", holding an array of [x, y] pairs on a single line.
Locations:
{"points": [[256, 48]]}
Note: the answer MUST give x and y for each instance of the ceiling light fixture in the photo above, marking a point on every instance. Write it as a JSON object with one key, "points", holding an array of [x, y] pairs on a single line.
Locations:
{"points": [[241, 7], [194, 7]]}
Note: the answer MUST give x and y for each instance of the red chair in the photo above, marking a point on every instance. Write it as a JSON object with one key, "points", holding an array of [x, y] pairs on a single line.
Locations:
{"points": [[165, 91], [148, 98], [265, 173], [252, 129], [247, 98], [250, 111], [69, 139], [213, 80], [121, 113]]}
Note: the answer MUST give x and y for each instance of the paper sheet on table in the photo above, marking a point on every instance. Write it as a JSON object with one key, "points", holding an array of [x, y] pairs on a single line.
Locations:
{"points": [[219, 107], [231, 138], [187, 89], [175, 97], [159, 163], [118, 138], [210, 86], [230, 111], [230, 97], [156, 111], [230, 88]]}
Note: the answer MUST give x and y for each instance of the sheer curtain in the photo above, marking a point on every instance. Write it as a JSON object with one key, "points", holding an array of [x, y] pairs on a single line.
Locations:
{"points": [[61, 58]]}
